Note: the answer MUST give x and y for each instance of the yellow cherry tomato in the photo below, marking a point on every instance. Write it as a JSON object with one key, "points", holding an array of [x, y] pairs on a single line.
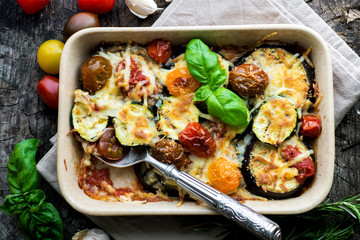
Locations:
{"points": [[224, 175], [48, 56]]}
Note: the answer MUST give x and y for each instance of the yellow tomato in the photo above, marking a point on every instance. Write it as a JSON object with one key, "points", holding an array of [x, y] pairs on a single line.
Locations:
{"points": [[49, 55], [224, 175]]}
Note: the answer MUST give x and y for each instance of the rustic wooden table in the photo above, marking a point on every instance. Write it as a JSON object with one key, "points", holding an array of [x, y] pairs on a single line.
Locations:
{"points": [[23, 115]]}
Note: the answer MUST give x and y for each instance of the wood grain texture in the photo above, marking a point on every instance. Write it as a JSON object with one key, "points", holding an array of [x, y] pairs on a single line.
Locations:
{"points": [[23, 115]]}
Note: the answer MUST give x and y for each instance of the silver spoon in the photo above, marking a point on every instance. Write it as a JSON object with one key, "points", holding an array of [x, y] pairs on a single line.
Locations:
{"points": [[223, 204]]}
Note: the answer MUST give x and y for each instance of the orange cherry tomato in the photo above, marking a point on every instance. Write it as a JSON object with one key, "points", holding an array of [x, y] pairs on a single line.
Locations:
{"points": [[180, 82], [224, 175], [197, 140], [159, 50], [311, 126]]}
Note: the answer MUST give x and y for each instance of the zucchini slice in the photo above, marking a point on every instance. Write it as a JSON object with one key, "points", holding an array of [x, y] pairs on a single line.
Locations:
{"points": [[268, 173], [289, 73], [89, 124], [135, 125], [174, 114], [275, 121]]}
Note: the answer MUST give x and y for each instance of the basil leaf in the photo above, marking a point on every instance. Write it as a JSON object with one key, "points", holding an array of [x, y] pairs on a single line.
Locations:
{"points": [[19, 202], [43, 224], [22, 174], [218, 78], [13, 204], [203, 93], [203, 64], [229, 107]]}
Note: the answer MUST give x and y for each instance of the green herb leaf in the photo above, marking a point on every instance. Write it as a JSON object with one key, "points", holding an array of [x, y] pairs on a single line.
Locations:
{"points": [[16, 203], [13, 204], [203, 64], [43, 224], [203, 93], [22, 174], [229, 107]]}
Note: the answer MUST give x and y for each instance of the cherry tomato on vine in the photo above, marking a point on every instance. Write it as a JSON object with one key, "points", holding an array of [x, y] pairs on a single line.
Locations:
{"points": [[159, 50], [48, 89], [32, 6], [197, 140], [96, 6], [49, 55], [80, 21], [110, 147]]}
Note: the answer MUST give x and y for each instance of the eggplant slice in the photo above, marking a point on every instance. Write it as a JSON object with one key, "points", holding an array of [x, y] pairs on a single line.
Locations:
{"points": [[289, 73], [268, 173]]}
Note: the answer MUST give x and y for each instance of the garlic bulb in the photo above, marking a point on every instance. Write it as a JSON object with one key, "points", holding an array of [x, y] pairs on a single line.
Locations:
{"points": [[142, 8], [91, 234]]}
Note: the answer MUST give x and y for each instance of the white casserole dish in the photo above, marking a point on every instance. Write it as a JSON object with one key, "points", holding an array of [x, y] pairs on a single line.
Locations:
{"points": [[78, 48]]}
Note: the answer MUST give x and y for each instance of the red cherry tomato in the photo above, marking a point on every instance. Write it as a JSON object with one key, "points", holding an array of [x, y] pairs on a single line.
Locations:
{"points": [[290, 152], [197, 140], [159, 50], [306, 168], [32, 6], [109, 147], [48, 89], [311, 126], [96, 6]]}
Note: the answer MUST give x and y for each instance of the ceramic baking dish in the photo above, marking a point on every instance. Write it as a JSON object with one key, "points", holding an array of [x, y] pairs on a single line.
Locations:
{"points": [[78, 48]]}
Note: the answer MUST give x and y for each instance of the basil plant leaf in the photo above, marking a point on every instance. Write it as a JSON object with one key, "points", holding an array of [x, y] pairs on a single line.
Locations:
{"points": [[22, 174], [202, 63], [43, 224], [229, 107], [13, 204], [34, 199], [203, 93], [218, 78]]}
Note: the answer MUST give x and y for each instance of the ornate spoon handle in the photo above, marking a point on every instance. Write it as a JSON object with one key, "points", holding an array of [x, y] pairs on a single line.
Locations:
{"points": [[225, 205]]}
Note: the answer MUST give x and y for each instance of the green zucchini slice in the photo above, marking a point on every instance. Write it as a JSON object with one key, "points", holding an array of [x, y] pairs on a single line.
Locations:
{"points": [[89, 124], [275, 121], [135, 125], [174, 114]]}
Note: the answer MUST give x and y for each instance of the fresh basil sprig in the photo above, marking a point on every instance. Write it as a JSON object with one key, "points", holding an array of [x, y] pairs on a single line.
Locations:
{"points": [[37, 219], [222, 103]]}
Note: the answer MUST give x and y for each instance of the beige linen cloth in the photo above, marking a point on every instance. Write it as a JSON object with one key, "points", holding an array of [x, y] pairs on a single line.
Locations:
{"points": [[346, 65]]}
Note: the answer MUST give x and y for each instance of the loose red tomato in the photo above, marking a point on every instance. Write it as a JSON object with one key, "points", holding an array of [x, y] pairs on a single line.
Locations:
{"points": [[306, 168], [80, 21], [159, 50], [48, 89], [109, 147], [311, 126], [197, 140], [96, 6], [32, 6]]}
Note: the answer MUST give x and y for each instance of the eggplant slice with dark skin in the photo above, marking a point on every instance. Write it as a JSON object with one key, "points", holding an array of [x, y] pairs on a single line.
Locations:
{"points": [[256, 169]]}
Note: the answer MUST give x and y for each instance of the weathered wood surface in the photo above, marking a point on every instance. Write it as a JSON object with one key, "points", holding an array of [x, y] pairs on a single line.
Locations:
{"points": [[23, 115]]}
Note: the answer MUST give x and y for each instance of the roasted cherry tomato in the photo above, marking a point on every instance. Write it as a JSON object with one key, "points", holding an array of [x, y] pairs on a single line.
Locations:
{"points": [[170, 152], [248, 80], [48, 89], [109, 147], [80, 21], [290, 152], [179, 82], [306, 168], [49, 55], [96, 6], [32, 6], [311, 126], [197, 140], [224, 175], [95, 71], [159, 50]]}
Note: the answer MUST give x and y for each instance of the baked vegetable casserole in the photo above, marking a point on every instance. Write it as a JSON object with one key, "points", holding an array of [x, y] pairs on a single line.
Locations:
{"points": [[241, 119]]}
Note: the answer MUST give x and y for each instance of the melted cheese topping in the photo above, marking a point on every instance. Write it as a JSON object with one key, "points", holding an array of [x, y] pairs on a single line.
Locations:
{"points": [[285, 72]]}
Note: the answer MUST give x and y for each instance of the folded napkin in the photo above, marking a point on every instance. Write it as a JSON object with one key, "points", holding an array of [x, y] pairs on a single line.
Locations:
{"points": [[346, 65]]}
